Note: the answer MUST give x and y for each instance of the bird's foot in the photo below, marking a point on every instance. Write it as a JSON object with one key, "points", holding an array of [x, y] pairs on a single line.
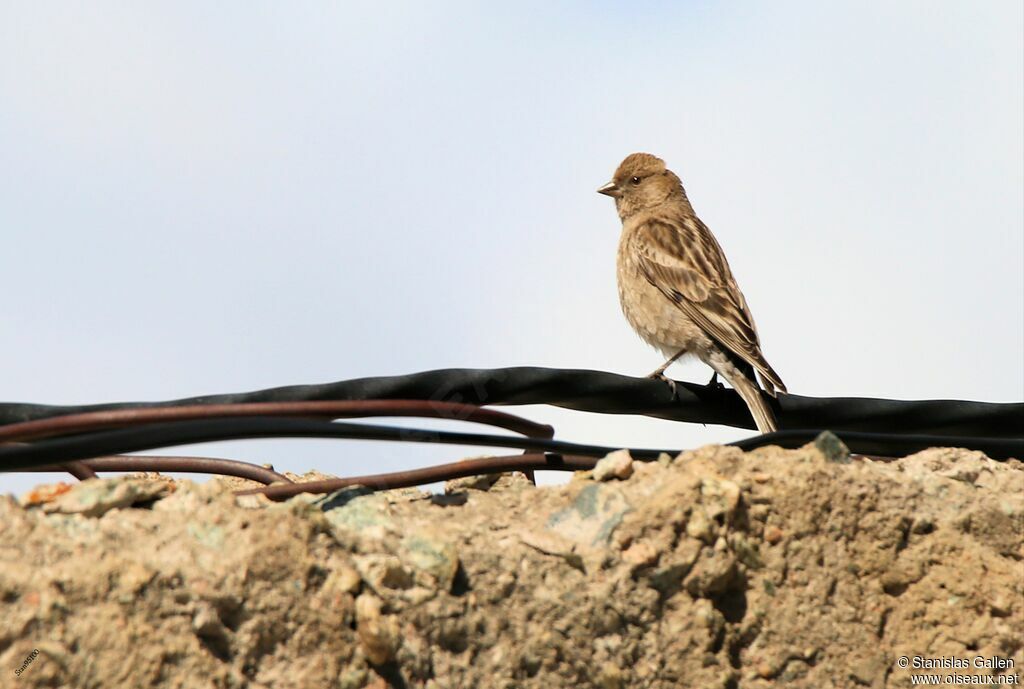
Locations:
{"points": [[714, 382], [660, 375]]}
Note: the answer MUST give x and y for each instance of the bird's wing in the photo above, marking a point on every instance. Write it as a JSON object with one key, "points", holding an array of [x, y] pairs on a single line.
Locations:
{"points": [[681, 258]]}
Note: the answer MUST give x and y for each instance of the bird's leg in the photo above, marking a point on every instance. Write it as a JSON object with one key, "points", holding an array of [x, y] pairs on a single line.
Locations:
{"points": [[659, 373], [713, 383]]}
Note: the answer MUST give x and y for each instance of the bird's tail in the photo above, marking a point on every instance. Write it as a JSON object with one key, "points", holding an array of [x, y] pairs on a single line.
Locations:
{"points": [[763, 415]]}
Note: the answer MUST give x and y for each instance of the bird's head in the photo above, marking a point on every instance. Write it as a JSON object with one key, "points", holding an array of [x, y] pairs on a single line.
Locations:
{"points": [[642, 182]]}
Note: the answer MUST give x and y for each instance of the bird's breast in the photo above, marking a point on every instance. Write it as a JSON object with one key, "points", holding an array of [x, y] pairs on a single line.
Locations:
{"points": [[656, 319]]}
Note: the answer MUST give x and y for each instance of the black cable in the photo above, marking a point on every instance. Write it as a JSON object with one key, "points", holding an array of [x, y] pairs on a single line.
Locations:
{"points": [[596, 391], [152, 436]]}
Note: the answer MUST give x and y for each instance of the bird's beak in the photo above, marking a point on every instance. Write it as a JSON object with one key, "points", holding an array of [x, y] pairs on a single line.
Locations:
{"points": [[610, 189]]}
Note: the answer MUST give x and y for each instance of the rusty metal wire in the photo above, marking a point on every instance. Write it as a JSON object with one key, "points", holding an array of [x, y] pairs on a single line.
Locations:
{"points": [[184, 465], [534, 461], [72, 424], [80, 470], [58, 450], [334, 409]]}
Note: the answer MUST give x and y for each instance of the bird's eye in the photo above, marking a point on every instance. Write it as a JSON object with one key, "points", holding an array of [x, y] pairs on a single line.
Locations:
{"points": [[635, 180]]}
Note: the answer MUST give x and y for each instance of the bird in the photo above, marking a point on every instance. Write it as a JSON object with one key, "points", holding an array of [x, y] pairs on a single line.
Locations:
{"points": [[676, 288]]}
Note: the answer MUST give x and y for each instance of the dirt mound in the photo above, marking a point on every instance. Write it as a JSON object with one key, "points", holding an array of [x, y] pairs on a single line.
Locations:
{"points": [[714, 569]]}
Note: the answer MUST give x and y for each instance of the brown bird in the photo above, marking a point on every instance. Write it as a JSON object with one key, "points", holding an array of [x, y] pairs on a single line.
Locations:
{"points": [[676, 288]]}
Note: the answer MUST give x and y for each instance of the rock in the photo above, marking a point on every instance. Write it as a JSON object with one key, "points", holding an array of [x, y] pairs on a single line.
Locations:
{"points": [[343, 579], [593, 515], [513, 480], [489, 482], [205, 620], [640, 554], [617, 465], [431, 555], [611, 676], [720, 498], [713, 574], [45, 493], [833, 449], [483, 482], [382, 572], [700, 526], [719, 569], [95, 497], [379, 635], [355, 514]]}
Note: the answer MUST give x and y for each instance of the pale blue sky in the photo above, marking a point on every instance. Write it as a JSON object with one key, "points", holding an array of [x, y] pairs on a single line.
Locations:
{"points": [[200, 198]]}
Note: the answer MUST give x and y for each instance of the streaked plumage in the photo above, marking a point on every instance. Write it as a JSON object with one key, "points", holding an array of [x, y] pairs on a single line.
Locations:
{"points": [[675, 285]]}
